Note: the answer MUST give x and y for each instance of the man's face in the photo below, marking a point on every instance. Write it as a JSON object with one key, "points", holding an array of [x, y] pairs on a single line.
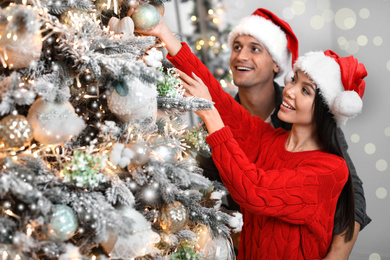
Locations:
{"points": [[251, 63]]}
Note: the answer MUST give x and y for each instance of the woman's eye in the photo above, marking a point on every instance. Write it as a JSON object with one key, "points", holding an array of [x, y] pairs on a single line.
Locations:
{"points": [[305, 91], [293, 79], [237, 47]]}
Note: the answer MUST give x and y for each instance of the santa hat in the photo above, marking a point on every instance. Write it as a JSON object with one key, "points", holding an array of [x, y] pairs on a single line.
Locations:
{"points": [[340, 80], [275, 34]]}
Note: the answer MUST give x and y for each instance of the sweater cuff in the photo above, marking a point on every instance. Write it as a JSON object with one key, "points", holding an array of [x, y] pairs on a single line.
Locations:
{"points": [[219, 137], [181, 57]]}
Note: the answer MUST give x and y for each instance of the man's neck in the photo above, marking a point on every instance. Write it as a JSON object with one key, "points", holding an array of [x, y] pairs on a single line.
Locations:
{"points": [[258, 101]]}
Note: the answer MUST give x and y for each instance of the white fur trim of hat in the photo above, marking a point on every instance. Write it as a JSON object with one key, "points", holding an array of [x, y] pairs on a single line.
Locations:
{"points": [[269, 34], [325, 72]]}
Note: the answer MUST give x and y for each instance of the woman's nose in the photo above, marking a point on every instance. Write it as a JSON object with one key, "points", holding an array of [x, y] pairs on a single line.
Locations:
{"points": [[291, 92]]}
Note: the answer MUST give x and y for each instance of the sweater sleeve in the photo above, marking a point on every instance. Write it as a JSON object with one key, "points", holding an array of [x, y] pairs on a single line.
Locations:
{"points": [[243, 125], [296, 196]]}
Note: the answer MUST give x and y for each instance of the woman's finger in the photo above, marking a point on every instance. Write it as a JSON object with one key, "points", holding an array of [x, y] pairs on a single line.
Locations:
{"points": [[185, 77]]}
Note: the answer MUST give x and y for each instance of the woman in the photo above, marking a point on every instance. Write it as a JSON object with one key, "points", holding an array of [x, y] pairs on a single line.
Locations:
{"points": [[288, 183]]}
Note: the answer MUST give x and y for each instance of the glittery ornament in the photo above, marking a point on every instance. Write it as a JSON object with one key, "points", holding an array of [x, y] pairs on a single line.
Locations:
{"points": [[173, 217], [53, 122], [141, 153], [62, 223], [74, 17], [145, 17], [15, 131], [20, 44], [133, 101]]}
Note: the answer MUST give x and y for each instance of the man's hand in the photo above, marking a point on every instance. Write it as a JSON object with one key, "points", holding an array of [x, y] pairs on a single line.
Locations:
{"points": [[339, 249]]}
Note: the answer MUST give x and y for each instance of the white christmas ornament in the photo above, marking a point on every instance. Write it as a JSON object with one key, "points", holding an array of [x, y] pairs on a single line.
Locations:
{"points": [[120, 155], [19, 45], [139, 243], [124, 25], [153, 58], [133, 101], [53, 122], [71, 252]]}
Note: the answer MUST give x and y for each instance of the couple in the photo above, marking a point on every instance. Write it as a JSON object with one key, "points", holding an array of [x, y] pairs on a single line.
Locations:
{"points": [[294, 187]]}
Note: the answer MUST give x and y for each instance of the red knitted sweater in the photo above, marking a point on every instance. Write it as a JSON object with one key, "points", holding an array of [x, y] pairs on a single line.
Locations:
{"points": [[288, 200]]}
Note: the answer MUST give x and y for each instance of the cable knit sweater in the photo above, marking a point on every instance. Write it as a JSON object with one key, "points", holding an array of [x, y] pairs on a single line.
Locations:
{"points": [[288, 200]]}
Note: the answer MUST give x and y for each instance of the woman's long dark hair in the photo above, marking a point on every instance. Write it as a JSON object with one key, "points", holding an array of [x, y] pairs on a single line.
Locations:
{"points": [[344, 220]]}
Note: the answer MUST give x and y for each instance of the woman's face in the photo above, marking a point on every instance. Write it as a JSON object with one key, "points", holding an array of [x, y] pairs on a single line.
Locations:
{"points": [[298, 99]]}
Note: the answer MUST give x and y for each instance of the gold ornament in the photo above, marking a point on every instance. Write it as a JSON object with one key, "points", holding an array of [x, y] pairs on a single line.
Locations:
{"points": [[15, 131], [75, 17], [173, 217]]}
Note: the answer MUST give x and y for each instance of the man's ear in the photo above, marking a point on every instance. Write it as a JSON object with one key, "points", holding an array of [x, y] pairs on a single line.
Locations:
{"points": [[276, 68]]}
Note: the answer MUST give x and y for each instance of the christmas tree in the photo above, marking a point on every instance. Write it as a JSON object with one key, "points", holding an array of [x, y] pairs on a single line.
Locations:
{"points": [[95, 161]]}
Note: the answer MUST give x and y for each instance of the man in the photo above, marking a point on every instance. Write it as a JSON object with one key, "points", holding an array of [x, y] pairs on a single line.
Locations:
{"points": [[262, 45]]}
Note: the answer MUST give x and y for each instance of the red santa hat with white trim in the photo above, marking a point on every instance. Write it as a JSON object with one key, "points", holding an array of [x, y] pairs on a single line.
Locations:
{"points": [[274, 33], [340, 80]]}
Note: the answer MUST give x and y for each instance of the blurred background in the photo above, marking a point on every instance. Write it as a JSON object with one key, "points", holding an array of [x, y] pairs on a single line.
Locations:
{"points": [[359, 28]]}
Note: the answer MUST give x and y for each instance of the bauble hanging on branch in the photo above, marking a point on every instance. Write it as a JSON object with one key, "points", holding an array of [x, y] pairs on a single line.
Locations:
{"points": [[54, 122], [62, 223], [21, 40], [15, 132], [173, 217], [133, 101], [124, 25], [145, 17]]}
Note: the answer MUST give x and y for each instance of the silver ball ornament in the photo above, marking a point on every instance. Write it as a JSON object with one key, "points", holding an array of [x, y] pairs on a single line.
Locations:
{"points": [[62, 223], [141, 153], [173, 217], [166, 153], [145, 17]]}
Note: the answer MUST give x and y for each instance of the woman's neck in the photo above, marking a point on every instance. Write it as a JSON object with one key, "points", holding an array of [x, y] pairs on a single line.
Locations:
{"points": [[301, 139]]}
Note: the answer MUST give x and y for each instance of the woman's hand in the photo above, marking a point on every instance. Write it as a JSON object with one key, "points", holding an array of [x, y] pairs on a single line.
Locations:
{"points": [[194, 86]]}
